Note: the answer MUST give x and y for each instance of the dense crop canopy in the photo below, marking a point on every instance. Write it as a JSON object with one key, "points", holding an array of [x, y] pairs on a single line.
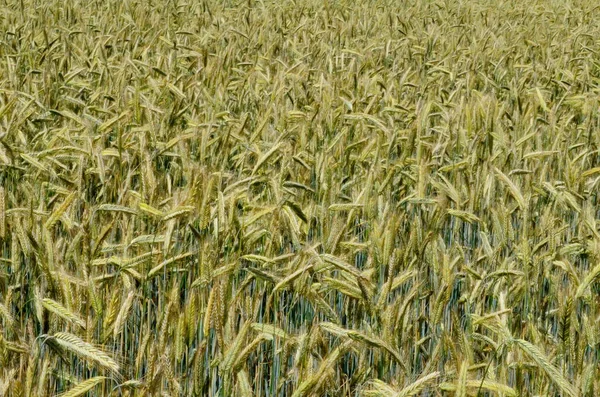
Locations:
{"points": [[299, 198]]}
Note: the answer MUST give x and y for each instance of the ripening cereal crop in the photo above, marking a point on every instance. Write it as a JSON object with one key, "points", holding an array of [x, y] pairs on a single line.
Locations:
{"points": [[299, 198]]}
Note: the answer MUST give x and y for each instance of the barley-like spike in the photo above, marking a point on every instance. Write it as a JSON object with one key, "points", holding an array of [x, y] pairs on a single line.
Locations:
{"points": [[83, 387], [85, 350]]}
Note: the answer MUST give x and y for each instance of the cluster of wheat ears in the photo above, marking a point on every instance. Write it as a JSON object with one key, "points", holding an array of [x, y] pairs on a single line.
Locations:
{"points": [[299, 198]]}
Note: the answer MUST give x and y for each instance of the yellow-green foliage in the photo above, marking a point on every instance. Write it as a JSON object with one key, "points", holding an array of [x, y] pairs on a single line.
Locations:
{"points": [[299, 198]]}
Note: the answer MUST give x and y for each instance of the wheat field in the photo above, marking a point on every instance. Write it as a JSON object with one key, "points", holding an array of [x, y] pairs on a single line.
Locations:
{"points": [[299, 198]]}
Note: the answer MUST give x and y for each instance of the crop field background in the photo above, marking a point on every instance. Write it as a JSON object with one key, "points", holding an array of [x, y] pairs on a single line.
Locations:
{"points": [[299, 198]]}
